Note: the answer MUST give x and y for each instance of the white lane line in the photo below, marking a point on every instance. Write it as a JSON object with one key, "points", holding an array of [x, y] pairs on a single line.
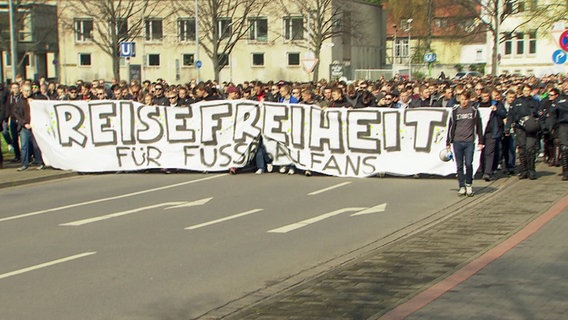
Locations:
{"points": [[307, 222], [238, 215], [44, 265], [178, 204], [328, 188], [109, 198]]}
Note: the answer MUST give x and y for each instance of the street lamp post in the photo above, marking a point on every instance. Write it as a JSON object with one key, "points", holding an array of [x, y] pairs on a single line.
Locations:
{"points": [[196, 59], [394, 53], [409, 21]]}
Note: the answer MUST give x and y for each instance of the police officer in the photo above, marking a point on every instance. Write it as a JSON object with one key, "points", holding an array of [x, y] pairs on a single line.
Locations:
{"points": [[560, 107], [523, 117]]}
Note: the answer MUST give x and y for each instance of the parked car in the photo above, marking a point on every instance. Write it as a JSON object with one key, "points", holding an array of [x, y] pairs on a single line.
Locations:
{"points": [[465, 74]]}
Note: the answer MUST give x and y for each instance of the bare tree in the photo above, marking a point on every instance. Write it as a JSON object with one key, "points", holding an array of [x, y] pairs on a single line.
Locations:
{"points": [[222, 24], [326, 19], [114, 21], [31, 38]]}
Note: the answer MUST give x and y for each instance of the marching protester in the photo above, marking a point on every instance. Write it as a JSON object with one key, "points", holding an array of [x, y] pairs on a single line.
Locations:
{"points": [[510, 126], [493, 133], [27, 139], [465, 125]]}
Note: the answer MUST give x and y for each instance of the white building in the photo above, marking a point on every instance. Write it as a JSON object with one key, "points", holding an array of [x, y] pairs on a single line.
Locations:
{"points": [[526, 46]]}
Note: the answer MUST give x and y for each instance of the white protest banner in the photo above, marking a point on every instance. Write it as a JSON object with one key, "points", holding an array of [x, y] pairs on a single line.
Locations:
{"points": [[122, 135], [359, 142], [217, 135]]}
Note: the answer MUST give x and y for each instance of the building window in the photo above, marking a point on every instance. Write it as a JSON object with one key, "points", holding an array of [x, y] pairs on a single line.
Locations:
{"points": [[25, 32], [186, 29], [401, 48], [258, 29], [441, 22], [520, 42], [84, 59], [83, 30], [293, 59], [479, 55], [258, 59], [224, 28], [154, 31], [188, 59], [532, 42], [223, 60], [294, 28], [122, 29], [153, 60], [508, 43]]}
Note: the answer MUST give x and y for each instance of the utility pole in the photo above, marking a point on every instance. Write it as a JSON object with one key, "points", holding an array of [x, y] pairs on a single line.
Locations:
{"points": [[13, 41], [409, 23], [394, 52], [196, 59]]}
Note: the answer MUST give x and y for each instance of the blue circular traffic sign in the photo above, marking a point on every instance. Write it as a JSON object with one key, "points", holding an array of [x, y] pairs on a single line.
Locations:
{"points": [[559, 57], [198, 64]]}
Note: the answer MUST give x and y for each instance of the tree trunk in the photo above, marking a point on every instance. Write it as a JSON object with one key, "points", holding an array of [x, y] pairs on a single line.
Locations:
{"points": [[116, 67], [315, 73]]}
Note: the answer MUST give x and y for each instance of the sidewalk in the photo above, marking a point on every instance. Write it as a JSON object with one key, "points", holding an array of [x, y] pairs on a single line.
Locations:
{"points": [[11, 177], [372, 283]]}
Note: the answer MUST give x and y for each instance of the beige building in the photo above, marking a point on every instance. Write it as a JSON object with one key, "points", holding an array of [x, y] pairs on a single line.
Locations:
{"points": [[274, 45]]}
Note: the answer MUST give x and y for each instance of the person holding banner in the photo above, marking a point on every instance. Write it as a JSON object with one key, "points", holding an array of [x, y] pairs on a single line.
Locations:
{"points": [[465, 124], [23, 116]]}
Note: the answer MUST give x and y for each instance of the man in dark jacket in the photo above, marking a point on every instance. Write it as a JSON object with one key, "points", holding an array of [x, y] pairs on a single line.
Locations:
{"points": [[560, 115], [493, 133], [23, 116]]}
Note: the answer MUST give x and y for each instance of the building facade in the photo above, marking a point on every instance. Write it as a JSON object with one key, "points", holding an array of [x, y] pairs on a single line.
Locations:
{"points": [[277, 42], [529, 37], [37, 43]]}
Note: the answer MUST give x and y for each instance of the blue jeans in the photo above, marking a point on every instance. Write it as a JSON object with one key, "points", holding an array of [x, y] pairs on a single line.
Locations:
{"points": [[509, 150], [27, 139], [463, 155], [261, 157]]}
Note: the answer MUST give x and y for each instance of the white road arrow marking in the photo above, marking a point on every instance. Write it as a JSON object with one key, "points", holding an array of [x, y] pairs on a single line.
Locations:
{"points": [[238, 215], [35, 213], [191, 204], [307, 222], [375, 209], [43, 265], [171, 205]]}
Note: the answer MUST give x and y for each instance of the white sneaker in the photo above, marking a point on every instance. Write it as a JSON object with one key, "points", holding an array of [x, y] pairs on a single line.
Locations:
{"points": [[291, 171], [283, 170], [461, 191], [269, 167], [308, 173], [468, 190], [259, 171]]}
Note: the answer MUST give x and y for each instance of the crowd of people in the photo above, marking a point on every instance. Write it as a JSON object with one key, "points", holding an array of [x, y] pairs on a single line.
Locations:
{"points": [[528, 114]]}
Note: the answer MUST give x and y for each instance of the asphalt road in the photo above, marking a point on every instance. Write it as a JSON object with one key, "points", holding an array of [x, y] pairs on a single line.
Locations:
{"points": [[154, 246]]}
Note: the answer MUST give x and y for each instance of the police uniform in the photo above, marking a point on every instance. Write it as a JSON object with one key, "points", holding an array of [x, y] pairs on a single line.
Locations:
{"points": [[523, 116], [560, 106]]}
